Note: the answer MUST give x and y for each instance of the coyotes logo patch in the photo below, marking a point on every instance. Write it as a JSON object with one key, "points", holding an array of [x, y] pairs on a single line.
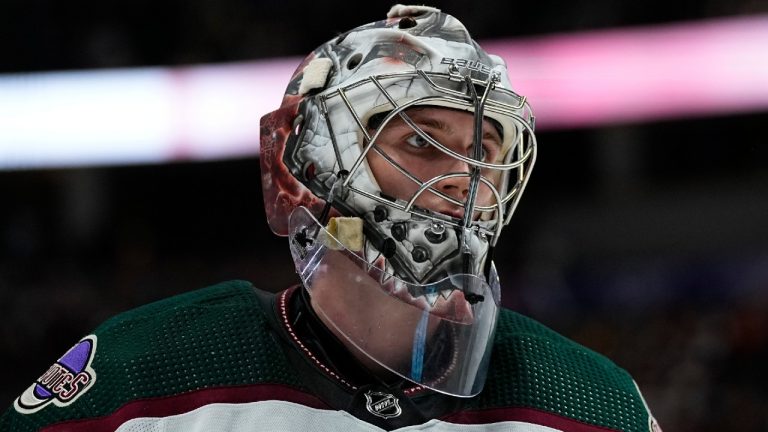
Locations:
{"points": [[64, 381]]}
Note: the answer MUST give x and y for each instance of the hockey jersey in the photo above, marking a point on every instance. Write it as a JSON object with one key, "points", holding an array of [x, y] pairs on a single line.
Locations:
{"points": [[233, 358]]}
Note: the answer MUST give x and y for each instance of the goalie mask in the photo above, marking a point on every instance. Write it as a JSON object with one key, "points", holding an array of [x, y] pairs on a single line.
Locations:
{"points": [[363, 113]]}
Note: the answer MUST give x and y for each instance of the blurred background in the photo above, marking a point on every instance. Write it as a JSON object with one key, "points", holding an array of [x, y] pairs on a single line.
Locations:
{"points": [[643, 234]]}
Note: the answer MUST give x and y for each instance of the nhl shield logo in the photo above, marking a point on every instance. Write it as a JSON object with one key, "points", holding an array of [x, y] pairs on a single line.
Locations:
{"points": [[382, 405]]}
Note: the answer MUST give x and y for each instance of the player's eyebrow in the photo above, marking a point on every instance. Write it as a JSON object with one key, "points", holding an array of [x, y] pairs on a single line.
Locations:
{"points": [[490, 135], [417, 115], [433, 122]]}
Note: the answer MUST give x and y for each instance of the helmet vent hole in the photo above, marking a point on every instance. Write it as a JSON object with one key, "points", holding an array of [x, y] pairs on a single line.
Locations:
{"points": [[419, 254], [354, 61], [388, 248], [399, 231], [309, 171], [407, 22], [380, 213]]}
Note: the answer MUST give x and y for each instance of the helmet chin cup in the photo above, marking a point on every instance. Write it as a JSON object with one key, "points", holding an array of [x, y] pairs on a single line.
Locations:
{"points": [[437, 335]]}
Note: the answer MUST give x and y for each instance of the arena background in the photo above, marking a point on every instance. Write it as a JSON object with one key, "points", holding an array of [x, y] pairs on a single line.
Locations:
{"points": [[646, 241]]}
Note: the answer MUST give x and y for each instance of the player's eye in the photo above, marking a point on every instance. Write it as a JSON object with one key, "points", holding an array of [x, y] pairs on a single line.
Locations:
{"points": [[417, 141], [483, 154]]}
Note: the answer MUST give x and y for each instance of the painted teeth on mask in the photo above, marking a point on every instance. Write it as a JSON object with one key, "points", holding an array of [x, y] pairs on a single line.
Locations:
{"points": [[431, 298], [386, 277], [429, 293]]}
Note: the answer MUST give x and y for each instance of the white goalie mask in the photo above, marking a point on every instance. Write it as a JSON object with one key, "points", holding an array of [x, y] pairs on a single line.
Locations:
{"points": [[425, 247]]}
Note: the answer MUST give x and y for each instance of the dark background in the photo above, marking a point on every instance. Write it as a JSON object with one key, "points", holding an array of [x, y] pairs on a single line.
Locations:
{"points": [[647, 242]]}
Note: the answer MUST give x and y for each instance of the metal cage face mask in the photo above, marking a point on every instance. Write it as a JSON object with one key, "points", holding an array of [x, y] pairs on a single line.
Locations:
{"points": [[425, 233], [393, 96]]}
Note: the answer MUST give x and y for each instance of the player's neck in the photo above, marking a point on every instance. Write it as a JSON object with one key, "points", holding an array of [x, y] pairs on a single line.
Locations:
{"points": [[343, 357]]}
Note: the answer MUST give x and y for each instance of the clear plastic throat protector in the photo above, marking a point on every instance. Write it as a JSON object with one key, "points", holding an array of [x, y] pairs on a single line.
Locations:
{"points": [[438, 335]]}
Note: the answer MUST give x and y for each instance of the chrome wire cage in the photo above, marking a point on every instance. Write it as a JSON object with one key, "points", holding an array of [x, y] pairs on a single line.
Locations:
{"points": [[451, 90]]}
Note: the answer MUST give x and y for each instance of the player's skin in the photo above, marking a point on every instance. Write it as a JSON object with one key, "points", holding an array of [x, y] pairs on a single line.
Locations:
{"points": [[382, 324], [452, 128]]}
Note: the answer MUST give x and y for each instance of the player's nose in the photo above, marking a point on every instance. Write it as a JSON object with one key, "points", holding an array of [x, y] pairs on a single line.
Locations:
{"points": [[457, 185]]}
